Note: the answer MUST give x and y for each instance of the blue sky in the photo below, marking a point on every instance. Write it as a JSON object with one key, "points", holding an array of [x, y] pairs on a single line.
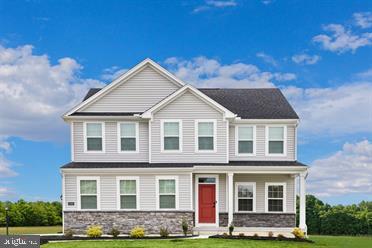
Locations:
{"points": [[318, 52]]}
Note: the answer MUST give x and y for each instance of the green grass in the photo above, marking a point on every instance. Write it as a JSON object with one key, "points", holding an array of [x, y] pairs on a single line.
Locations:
{"points": [[320, 242], [32, 230]]}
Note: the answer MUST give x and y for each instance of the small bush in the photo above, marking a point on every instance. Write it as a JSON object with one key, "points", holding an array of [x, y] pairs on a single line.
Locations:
{"points": [[94, 231], [164, 233], [270, 234], [241, 235], [231, 229], [185, 226], [280, 237], [298, 233], [114, 232], [69, 233], [137, 232], [256, 235], [225, 235]]}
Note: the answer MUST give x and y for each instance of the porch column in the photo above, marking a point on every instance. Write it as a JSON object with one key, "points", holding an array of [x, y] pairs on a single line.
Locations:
{"points": [[231, 198], [303, 202]]}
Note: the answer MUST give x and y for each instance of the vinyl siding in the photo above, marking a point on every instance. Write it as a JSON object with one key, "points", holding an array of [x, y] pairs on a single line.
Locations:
{"points": [[139, 93], [188, 108], [261, 145], [222, 194], [147, 191], [111, 145]]}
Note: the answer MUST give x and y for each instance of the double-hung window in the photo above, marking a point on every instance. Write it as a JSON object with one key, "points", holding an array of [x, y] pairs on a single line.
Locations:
{"points": [[128, 192], [206, 132], [276, 140], [245, 140], [245, 197], [275, 197], [94, 137], [89, 193], [171, 135], [167, 192], [128, 132]]}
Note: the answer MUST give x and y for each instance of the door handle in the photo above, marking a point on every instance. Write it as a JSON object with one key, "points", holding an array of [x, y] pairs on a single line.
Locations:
{"points": [[214, 204]]}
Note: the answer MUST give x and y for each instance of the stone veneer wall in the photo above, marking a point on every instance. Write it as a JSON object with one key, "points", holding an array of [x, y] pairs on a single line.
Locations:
{"points": [[79, 221], [260, 220]]}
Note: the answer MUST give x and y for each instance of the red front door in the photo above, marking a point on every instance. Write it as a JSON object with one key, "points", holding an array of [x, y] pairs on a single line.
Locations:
{"points": [[207, 203]]}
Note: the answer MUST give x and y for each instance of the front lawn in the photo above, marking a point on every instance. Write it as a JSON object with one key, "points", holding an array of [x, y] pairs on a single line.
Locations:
{"points": [[32, 230], [320, 242]]}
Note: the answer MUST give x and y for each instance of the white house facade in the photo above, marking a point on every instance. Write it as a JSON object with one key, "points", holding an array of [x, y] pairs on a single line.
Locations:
{"points": [[150, 150]]}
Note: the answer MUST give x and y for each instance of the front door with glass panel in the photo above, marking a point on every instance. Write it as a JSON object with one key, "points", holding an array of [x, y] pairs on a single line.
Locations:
{"points": [[207, 200]]}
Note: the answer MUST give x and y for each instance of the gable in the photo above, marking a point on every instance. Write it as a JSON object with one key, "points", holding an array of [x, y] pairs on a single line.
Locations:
{"points": [[137, 94]]}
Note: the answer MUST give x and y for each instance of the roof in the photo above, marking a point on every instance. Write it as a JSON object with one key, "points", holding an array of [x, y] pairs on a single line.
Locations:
{"points": [[95, 165], [261, 103]]}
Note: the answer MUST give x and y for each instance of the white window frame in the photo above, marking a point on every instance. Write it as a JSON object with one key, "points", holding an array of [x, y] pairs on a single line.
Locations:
{"points": [[237, 141], [284, 141], [267, 196], [118, 200], [214, 136], [98, 183], [102, 136], [180, 135], [136, 124], [237, 184], [158, 178]]}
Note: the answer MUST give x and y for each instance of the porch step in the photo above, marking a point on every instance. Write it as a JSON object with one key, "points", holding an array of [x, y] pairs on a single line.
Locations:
{"points": [[248, 231]]}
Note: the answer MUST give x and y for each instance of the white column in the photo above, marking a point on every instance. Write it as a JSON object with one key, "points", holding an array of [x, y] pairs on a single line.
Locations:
{"points": [[231, 198], [303, 202]]}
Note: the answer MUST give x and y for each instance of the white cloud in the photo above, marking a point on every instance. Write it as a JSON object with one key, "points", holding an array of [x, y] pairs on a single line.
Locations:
{"points": [[338, 110], [367, 75], [267, 58], [347, 171], [363, 19], [5, 191], [342, 40], [205, 72], [305, 59], [213, 4], [34, 93], [109, 74], [5, 168]]}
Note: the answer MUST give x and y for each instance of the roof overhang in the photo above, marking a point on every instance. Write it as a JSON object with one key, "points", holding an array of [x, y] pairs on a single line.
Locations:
{"points": [[148, 114]]}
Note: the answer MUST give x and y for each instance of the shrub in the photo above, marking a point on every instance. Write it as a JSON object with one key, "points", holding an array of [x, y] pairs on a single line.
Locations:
{"points": [[255, 235], [69, 233], [298, 233], [114, 232], [94, 231], [241, 235], [137, 232], [164, 233], [270, 234], [231, 229], [280, 237], [225, 235], [185, 226]]}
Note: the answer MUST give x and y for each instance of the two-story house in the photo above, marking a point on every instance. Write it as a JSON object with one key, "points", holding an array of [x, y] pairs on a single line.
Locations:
{"points": [[150, 150]]}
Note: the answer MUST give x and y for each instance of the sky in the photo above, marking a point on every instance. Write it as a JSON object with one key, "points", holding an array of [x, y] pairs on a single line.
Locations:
{"points": [[317, 52]]}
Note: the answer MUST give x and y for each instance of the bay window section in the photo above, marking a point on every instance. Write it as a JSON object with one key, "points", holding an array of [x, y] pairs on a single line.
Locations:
{"points": [[205, 136], [88, 194], [245, 197], [245, 140], [167, 193], [171, 135], [94, 137], [128, 137], [275, 194], [128, 193], [276, 140]]}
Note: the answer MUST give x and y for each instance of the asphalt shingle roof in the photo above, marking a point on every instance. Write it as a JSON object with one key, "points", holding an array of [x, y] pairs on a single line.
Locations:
{"points": [[262, 103]]}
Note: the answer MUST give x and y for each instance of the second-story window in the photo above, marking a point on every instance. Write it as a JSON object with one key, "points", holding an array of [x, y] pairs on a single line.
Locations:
{"points": [[171, 135], [276, 140], [94, 137], [205, 136], [245, 140], [128, 137]]}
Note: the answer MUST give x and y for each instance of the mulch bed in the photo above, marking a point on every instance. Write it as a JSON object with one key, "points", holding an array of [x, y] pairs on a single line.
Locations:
{"points": [[260, 238], [46, 239]]}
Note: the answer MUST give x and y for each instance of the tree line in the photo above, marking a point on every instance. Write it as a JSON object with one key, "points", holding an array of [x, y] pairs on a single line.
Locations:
{"points": [[321, 218], [22, 213]]}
